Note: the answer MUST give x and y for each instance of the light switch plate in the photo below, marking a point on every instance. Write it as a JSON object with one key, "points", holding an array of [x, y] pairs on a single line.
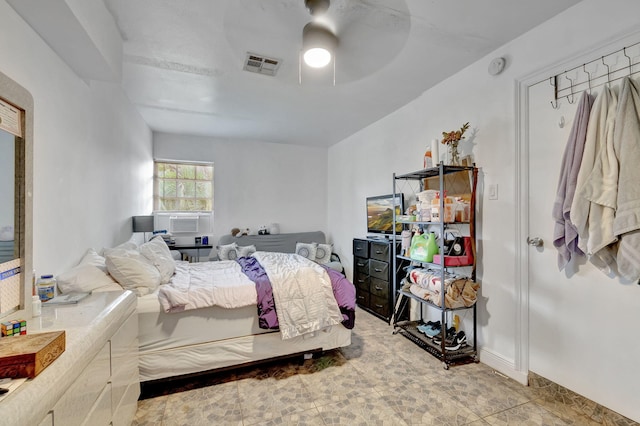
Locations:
{"points": [[493, 191]]}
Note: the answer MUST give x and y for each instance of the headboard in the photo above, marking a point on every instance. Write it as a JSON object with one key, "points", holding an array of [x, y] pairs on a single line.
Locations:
{"points": [[283, 243]]}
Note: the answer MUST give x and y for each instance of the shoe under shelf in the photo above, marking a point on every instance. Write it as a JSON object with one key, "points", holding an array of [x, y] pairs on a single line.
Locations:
{"points": [[464, 355]]}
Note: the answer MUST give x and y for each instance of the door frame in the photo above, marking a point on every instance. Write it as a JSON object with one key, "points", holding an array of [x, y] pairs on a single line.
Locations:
{"points": [[521, 93]]}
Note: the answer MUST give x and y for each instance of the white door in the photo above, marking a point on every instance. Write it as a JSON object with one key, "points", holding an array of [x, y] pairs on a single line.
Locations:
{"points": [[583, 324]]}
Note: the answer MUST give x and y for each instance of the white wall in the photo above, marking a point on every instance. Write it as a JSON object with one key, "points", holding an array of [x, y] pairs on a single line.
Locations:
{"points": [[257, 183], [397, 143], [92, 152]]}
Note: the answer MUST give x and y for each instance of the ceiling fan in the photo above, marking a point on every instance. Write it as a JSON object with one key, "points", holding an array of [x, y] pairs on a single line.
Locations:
{"points": [[360, 37], [318, 42]]}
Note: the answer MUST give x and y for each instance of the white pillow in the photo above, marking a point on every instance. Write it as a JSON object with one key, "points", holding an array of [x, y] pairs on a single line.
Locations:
{"points": [[323, 253], [159, 254], [228, 252], [91, 257], [129, 245], [83, 278], [133, 271], [244, 251], [307, 250]]}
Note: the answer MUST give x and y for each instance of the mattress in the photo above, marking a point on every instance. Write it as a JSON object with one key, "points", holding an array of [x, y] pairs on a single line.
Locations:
{"points": [[210, 338], [159, 330], [155, 365]]}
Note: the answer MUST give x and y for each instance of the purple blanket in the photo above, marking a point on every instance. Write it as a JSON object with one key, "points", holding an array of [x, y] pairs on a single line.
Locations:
{"points": [[343, 290]]}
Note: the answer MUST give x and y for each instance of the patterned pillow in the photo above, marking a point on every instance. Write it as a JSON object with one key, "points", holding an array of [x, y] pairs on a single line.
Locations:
{"points": [[244, 251], [228, 252], [323, 253], [307, 250]]}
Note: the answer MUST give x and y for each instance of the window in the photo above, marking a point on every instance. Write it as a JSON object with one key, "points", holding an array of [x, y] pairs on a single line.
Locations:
{"points": [[182, 186]]}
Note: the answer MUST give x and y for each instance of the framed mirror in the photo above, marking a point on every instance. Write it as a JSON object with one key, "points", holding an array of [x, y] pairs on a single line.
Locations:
{"points": [[16, 206]]}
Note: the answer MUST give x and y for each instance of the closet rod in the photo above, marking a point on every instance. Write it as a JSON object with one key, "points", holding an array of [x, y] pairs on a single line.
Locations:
{"points": [[566, 91]]}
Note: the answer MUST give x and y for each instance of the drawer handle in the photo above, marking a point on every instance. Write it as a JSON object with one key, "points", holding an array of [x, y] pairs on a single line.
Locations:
{"points": [[377, 270], [360, 281], [379, 306], [358, 249], [360, 264], [379, 288], [379, 252]]}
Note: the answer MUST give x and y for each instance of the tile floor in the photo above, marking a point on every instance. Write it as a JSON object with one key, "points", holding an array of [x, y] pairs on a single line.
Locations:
{"points": [[381, 379]]}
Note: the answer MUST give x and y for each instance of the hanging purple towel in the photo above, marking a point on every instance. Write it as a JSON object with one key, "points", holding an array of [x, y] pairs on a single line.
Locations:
{"points": [[565, 235]]}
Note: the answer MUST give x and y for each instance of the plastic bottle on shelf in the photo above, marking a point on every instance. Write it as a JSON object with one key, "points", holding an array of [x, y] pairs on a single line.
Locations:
{"points": [[435, 208], [432, 247], [449, 209], [36, 308], [46, 287], [428, 161]]}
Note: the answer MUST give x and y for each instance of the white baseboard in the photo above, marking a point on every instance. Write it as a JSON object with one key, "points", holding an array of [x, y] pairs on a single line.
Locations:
{"points": [[503, 366]]}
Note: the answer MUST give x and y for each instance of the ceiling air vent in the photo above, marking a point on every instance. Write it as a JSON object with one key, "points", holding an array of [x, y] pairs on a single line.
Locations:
{"points": [[261, 64]]}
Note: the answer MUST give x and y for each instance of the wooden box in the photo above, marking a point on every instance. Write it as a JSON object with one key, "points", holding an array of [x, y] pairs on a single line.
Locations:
{"points": [[28, 355]]}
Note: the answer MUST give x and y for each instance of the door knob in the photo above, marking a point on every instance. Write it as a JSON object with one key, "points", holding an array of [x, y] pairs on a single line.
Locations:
{"points": [[536, 241]]}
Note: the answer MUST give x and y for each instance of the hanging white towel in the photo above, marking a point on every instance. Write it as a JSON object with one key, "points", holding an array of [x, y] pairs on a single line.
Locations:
{"points": [[565, 236], [626, 141], [586, 214]]}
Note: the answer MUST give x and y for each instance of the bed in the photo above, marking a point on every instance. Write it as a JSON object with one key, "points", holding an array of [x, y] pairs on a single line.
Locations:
{"points": [[208, 338]]}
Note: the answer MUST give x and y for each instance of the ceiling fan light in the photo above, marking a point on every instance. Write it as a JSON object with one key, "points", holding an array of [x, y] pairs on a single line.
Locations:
{"points": [[317, 57], [318, 45]]}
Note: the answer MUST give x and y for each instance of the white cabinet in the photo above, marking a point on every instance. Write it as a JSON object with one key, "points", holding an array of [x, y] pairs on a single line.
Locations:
{"points": [[95, 381]]}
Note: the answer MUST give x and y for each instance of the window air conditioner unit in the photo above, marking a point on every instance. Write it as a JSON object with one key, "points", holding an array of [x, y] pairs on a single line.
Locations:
{"points": [[178, 224]]}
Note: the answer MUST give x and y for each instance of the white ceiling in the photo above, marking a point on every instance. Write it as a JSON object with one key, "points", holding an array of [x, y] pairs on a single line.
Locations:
{"points": [[183, 60]]}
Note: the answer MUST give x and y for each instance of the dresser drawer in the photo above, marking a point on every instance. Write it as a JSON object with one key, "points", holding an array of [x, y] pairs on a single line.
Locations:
{"points": [[378, 269], [361, 248], [379, 305], [379, 288], [361, 265], [78, 399], [362, 298], [124, 359], [362, 280], [379, 251]]}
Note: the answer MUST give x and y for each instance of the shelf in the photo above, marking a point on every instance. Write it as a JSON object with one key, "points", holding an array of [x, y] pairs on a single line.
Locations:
{"points": [[433, 305], [434, 265], [418, 222], [433, 172], [457, 181], [419, 261], [466, 354]]}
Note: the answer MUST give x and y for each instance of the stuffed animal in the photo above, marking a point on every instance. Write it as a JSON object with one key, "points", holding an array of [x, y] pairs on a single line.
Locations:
{"points": [[237, 232], [263, 230]]}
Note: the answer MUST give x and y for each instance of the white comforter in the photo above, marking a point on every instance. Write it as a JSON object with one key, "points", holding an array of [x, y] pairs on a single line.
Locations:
{"points": [[302, 293], [199, 285]]}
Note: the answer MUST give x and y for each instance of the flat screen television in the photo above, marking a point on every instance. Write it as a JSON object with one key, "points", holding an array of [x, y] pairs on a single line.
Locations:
{"points": [[380, 213]]}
